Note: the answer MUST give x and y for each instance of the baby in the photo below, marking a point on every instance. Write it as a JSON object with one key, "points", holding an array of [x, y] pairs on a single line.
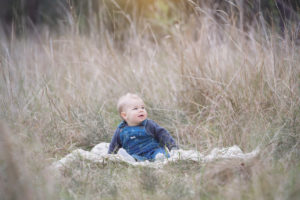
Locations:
{"points": [[142, 138]]}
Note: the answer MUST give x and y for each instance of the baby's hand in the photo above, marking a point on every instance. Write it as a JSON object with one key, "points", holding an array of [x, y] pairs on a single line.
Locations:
{"points": [[174, 152], [160, 157]]}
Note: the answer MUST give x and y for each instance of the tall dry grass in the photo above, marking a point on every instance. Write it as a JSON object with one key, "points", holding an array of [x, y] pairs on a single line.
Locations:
{"points": [[209, 84]]}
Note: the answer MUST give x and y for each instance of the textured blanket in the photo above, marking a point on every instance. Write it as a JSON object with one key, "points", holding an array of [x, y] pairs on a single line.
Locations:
{"points": [[99, 154]]}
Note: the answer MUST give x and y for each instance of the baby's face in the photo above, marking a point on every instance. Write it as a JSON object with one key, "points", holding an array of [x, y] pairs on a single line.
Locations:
{"points": [[134, 112]]}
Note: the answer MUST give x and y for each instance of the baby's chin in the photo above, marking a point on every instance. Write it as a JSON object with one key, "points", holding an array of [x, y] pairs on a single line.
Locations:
{"points": [[141, 119]]}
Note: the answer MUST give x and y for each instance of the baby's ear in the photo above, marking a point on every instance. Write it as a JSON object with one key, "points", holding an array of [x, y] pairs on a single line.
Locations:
{"points": [[123, 115]]}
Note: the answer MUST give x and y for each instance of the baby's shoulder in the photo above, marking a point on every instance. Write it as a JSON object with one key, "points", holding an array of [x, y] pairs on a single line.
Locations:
{"points": [[151, 123], [122, 125]]}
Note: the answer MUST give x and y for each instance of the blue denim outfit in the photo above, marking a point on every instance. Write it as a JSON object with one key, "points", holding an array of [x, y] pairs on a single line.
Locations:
{"points": [[143, 142]]}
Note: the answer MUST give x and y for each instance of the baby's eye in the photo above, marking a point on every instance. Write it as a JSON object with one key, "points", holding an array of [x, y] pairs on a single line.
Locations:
{"points": [[135, 108], [143, 107]]}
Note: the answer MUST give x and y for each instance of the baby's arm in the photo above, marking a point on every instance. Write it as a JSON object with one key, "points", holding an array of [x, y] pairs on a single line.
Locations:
{"points": [[162, 135], [115, 143]]}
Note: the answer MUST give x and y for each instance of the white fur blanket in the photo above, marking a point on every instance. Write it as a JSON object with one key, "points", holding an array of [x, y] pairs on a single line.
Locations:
{"points": [[99, 154]]}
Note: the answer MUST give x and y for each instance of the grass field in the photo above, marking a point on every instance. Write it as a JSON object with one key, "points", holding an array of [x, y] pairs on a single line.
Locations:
{"points": [[209, 84]]}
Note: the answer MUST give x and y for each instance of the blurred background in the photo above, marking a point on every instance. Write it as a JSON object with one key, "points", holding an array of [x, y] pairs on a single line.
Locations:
{"points": [[214, 73], [21, 16]]}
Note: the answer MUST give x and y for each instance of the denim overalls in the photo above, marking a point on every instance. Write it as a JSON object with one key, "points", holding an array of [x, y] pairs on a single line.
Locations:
{"points": [[139, 144]]}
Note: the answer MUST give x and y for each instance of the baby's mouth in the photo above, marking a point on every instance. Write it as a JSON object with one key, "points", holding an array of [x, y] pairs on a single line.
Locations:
{"points": [[141, 116]]}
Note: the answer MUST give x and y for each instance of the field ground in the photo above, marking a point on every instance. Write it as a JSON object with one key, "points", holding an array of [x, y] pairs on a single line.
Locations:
{"points": [[210, 85]]}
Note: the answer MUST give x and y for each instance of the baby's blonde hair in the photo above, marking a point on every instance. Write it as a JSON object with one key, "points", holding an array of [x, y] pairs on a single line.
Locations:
{"points": [[122, 102]]}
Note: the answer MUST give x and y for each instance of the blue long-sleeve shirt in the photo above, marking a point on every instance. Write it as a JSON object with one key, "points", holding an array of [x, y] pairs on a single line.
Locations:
{"points": [[142, 140]]}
